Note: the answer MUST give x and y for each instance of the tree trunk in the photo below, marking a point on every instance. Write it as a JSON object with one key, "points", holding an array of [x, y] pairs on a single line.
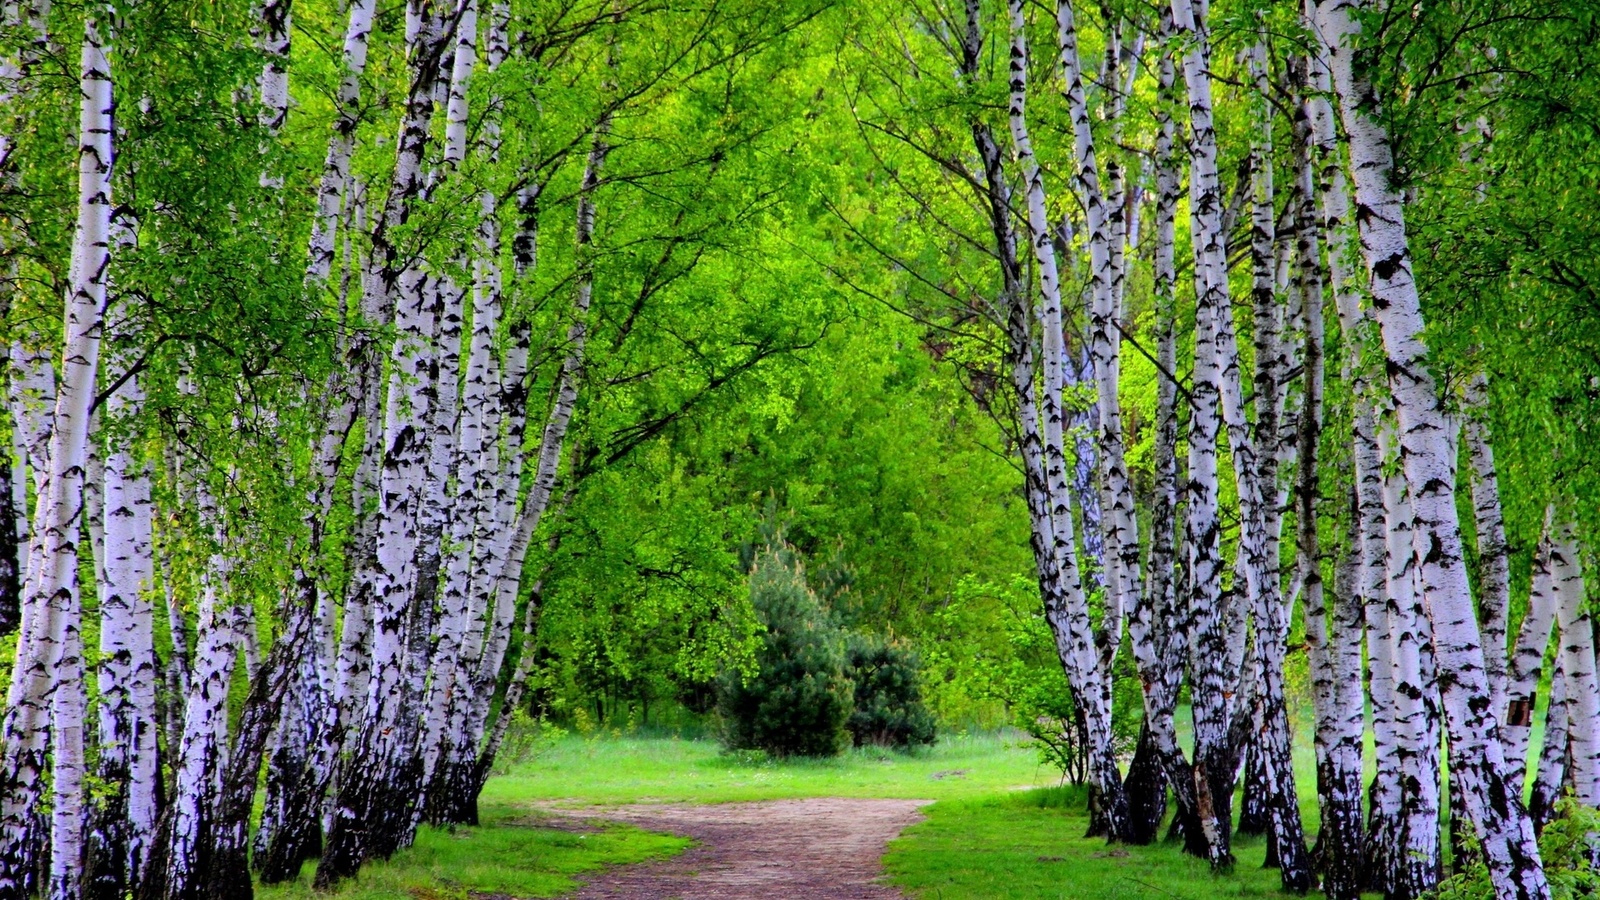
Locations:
{"points": [[1478, 765], [1577, 652], [124, 822], [1211, 687], [1105, 223], [373, 809], [1417, 859], [227, 869], [1547, 786], [49, 650], [1527, 659], [1157, 627], [1335, 655], [181, 861], [1494, 569], [1069, 619]]}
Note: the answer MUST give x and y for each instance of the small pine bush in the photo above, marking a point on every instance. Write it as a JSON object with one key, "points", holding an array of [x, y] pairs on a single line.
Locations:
{"points": [[888, 696], [799, 699]]}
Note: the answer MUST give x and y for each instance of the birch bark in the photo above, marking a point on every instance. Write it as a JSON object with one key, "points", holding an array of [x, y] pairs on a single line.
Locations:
{"points": [[1551, 777], [1478, 766], [49, 653], [476, 464], [373, 808], [1088, 666], [125, 822], [1494, 568], [1105, 238], [506, 585], [1340, 715], [1577, 651], [1527, 658], [1211, 686], [180, 860], [1417, 858], [1158, 626]]}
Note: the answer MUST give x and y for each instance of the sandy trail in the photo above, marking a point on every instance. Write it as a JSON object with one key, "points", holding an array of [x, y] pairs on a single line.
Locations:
{"points": [[813, 849]]}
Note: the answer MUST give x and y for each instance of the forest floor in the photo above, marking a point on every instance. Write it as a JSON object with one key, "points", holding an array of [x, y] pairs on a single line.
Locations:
{"points": [[623, 818]]}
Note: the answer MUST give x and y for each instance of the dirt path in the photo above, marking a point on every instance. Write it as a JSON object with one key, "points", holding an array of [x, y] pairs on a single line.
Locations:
{"points": [[815, 849]]}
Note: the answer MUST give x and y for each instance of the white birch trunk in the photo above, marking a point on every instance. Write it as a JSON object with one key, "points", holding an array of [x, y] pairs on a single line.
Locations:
{"points": [[372, 811], [49, 648], [1157, 628], [449, 422], [68, 811], [1336, 656], [336, 166], [1551, 777], [1104, 221], [1494, 569], [505, 586], [1577, 650], [1492, 801], [1527, 658], [272, 36], [125, 830], [1416, 711], [32, 394], [1073, 629], [203, 752], [1208, 642]]}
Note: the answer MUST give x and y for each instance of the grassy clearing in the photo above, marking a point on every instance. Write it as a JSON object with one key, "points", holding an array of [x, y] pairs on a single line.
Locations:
{"points": [[512, 854], [631, 770]]}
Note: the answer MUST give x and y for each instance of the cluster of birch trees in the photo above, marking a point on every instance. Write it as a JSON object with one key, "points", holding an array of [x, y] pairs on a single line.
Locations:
{"points": [[1099, 189], [330, 299]]}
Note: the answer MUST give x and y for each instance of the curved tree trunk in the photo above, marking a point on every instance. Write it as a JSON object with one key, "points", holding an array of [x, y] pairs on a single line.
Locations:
{"points": [[1336, 654], [1158, 626], [1494, 568], [1527, 658], [372, 811], [1552, 774]]}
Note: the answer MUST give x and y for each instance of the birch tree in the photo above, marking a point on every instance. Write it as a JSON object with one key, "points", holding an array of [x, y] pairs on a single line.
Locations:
{"points": [[124, 825], [1086, 669], [1477, 761], [45, 705]]}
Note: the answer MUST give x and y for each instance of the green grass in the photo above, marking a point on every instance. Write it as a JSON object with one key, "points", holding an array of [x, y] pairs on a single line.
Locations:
{"points": [[511, 854], [1001, 827], [630, 770], [1031, 845]]}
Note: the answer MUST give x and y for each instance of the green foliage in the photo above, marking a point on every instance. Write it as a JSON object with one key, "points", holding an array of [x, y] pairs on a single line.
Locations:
{"points": [[799, 699], [525, 737], [1569, 848], [889, 711], [993, 657]]}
